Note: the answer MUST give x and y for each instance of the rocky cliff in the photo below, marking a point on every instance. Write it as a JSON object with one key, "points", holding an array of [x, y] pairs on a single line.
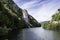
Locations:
{"points": [[11, 17], [30, 20]]}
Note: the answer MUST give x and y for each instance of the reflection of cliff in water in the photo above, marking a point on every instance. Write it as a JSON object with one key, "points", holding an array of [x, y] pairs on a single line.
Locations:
{"points": [[24, 34], [13, 35]]}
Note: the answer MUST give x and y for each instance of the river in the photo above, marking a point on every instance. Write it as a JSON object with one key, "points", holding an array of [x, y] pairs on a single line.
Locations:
{"points": [[38, 34]]}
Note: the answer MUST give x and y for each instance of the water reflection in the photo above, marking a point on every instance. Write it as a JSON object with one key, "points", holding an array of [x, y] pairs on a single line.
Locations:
{"points": [[38, 34], [30, 35]]}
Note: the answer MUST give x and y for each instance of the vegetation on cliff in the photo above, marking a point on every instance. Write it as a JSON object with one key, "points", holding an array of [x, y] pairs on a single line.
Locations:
{"points": [[54, 23], [33, 22], [11, 18]]}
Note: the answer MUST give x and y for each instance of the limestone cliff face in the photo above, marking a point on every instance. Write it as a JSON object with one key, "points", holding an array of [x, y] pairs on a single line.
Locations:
{"points": [[33, 21], [30, 20], [14, 7], [25, 15], [11, 17], [20, 12]]}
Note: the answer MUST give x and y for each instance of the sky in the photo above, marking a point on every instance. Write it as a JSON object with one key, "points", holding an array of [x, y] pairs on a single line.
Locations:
{"points": [[41, 10]]}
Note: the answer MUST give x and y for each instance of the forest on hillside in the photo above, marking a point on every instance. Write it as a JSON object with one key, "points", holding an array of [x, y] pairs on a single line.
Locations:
{"points": [[54, 23]]}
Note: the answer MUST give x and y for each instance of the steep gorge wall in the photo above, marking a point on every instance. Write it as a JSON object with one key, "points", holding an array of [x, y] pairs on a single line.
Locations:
{"points": [[11, 18]]}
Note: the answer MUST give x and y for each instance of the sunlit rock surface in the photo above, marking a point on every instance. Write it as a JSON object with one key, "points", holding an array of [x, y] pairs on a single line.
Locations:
{"points": [[11, 18]]}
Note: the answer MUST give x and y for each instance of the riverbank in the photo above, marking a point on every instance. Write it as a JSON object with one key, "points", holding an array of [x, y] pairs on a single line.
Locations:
{"points": [[54, 23]]}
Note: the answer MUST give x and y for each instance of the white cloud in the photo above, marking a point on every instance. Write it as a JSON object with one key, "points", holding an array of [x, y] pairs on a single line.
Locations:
{"points": [[45, 12], [28, 5], [41, 11]]}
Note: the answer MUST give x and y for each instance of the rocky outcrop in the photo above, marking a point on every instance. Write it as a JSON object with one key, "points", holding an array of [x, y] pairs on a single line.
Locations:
{"points": [[11, 18], [29, 19], [20, 11], [33, 21], [25, 15]]}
